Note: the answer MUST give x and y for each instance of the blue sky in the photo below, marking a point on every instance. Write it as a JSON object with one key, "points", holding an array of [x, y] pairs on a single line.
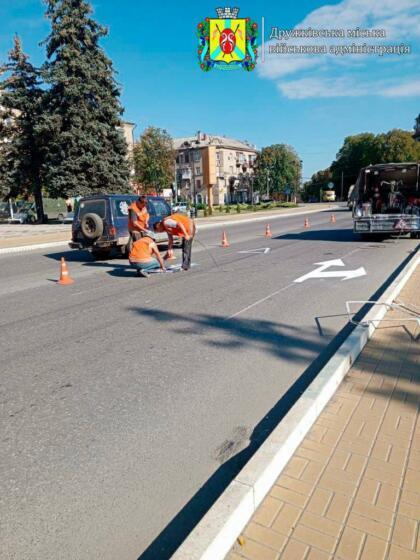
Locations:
{"points": [[309, 101]]}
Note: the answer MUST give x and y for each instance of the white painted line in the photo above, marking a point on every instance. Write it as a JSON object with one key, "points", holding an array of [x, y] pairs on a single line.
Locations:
{"points": [[270, 217], [25, 248], [260, 301], [262, 251], [216, 533], [343, 274]]}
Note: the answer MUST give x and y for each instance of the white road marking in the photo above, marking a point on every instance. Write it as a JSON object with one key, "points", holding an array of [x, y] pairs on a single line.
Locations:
{"points": [[260, 301], [262, 251], [320, 271]]}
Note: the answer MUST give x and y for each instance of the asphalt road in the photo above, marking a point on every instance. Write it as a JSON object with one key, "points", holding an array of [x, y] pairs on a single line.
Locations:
{"points": [[127, 404]]}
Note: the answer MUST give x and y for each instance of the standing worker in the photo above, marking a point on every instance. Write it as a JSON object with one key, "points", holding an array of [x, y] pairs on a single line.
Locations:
{"points": [[182, 226], [145, 255], [138, 219]]}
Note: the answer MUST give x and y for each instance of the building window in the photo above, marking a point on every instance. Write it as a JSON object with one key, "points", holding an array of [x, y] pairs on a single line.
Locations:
{"points": [[231, 169], [198, 184], [197, 155], [181, 158], [187, 157], [219, 159], [198, 170]]}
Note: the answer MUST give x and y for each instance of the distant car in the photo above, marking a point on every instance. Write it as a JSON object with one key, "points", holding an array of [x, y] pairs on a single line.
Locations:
{"points": [[328, 196], [181, 207], [100, 222], [25, 213], [66, 218], [5, 210]]}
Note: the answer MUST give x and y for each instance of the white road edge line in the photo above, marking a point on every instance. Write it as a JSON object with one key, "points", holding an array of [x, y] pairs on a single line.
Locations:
{"points": [[216, 533], [260, 301], [25, 248]]}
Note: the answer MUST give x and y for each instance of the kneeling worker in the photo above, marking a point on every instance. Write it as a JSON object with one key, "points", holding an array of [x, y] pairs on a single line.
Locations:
{"points": [[145, 255], [182, 226]]}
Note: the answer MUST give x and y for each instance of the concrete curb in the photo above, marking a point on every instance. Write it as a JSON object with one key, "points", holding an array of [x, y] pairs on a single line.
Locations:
{"points": [[228, 223], [25, 248], [216, 533]]}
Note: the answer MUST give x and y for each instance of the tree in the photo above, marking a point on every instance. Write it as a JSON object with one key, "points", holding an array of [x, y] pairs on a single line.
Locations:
{"points": [[20, 149], [397, 146], [364, 149], [319, 181], [277, 167], [154, 160], [85, 151]]}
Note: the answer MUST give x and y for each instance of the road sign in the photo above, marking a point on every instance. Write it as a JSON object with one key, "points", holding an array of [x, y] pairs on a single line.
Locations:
{"points": [[343, 274], [262, 251]]}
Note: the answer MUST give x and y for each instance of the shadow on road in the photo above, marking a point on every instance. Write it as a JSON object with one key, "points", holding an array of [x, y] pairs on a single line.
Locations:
{"points": [[284, 341], [334, 234]]}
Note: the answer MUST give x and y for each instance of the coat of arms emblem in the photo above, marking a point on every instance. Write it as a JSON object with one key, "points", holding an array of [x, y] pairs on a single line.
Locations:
{"points": [[227, 42]]}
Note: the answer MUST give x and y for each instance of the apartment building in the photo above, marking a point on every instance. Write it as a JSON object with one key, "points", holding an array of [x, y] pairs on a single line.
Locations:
{"points": [[214, 169]]}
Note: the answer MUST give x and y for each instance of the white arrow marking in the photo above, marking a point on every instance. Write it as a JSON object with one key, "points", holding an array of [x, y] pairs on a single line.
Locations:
{"points": [[262, 251], [344, 274]]}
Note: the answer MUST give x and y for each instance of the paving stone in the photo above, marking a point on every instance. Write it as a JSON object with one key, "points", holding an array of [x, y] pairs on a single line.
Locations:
{"points": [[352, 489]]}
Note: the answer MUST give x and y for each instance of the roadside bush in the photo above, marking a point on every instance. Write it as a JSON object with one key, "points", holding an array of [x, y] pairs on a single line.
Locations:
{"points": [[227, 209], [238, 208]]}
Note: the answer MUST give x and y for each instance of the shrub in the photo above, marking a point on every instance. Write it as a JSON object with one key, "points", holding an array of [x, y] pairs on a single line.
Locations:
{"points": [[238, 208]]}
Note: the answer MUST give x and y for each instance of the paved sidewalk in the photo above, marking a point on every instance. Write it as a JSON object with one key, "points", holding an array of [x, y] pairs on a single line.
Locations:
{"points": [[352, 489], [17, 235]]}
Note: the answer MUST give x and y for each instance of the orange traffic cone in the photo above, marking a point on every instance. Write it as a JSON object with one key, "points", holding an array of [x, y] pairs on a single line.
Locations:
{"points": [[306, 223], [268, 231], [65, 278], [169, 255], [225, 242], [332, 219]]}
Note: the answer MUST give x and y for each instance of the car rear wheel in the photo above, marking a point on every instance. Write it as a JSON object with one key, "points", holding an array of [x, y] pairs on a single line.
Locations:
{"points": [[60, 218], [92, 226]]}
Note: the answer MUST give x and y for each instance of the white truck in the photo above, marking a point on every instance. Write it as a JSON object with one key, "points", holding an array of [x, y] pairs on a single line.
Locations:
{"points": [[386, 200]]}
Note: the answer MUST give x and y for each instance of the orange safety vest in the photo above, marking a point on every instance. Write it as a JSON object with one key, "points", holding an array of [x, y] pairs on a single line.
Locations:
{"points": [[142, 250], [176, 230], [142, 217]]}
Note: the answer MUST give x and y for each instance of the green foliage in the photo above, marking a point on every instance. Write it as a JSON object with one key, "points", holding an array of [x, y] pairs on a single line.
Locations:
{"points": [[227, 209], [360, 150], [279, 166], [238, 208], [84, 148], [154, 160], [319, 180], [20, 110]]}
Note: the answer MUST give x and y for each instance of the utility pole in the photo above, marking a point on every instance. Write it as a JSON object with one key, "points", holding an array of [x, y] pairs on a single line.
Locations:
{"points": [[342, 185]]}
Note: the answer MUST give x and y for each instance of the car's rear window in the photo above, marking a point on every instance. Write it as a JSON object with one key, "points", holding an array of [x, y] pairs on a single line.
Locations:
{"points": [[158, 207], [92, 207], [120, 206]]}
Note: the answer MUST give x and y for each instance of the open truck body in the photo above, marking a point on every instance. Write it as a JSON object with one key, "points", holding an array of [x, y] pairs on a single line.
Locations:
{"points": [[386, 200]]}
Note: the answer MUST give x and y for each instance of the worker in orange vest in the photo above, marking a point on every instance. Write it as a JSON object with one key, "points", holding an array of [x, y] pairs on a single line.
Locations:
{"points": [[138, 218], [179, 225], [145, 255]]}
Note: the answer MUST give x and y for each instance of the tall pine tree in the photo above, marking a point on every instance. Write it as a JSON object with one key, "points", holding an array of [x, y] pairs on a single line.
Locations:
{"points": [[20, 147], [85, 151]]}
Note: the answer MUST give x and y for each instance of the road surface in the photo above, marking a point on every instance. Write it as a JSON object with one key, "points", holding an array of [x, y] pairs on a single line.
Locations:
{"points": [[127, 404]]}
